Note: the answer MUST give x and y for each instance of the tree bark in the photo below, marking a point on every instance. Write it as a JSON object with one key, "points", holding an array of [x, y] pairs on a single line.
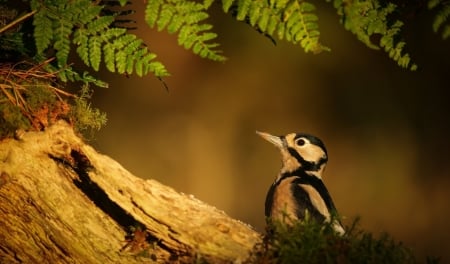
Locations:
{"points": [[63, 202]]}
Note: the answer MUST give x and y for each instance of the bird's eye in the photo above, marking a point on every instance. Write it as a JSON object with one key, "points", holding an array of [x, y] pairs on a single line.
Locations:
{"points": [[300, 142]]}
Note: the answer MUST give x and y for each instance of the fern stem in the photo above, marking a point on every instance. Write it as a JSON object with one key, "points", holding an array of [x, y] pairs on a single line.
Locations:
{"points": [[17, 21]]}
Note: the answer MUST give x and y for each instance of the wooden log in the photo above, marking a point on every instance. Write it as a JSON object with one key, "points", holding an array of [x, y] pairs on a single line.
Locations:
{"points": [[63, 202]]}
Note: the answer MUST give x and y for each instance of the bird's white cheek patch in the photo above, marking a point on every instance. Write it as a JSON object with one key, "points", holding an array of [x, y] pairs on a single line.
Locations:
{"points": [[312, 153], [316, 200], [284, 207]]}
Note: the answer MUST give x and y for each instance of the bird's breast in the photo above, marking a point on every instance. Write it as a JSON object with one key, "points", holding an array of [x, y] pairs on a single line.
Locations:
{"points": [[283, 206]]}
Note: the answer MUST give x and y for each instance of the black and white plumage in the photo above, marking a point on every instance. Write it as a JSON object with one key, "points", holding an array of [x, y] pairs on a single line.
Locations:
{"points": [[299, 189]]}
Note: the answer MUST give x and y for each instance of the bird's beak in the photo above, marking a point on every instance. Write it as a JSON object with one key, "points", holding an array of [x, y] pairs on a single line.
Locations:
{"points": [[277, 141]]}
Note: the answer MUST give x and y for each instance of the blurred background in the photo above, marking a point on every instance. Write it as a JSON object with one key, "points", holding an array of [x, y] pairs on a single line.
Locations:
{"points": [[386, 129]]}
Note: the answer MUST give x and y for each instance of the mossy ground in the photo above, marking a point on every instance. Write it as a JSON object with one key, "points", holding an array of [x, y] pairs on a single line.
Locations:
{"points": [[32, 99], [311, 242]]}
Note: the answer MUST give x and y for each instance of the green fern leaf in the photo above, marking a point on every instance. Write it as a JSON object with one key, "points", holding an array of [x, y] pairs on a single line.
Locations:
{"points": [[157, 68], [62, 31], [292, 20], [108, 52], [129, 67], [165, 16], [43, 31], [95, 52], [151, 11], [95, 37], [281, 30], [254, 13], [123, 2], [120, 42], [133, 46], [243, 9], [433, 3], [142, 65], [184, 37], [100, 24], [86, 15], [135, 58], [226, 5], [446, 32], [366, 18], [185, 17], [306, 7], [207, 3], [271, 25], [121, 61], [175, 24], [81, 39], [111, 33], [264, 20], [441, 17]]}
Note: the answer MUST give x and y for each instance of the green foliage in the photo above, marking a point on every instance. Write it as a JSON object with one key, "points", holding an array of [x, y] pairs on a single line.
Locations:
{"points": [[312, 242], [441, 20], [58, 24], [60, 29], [187, 18], [293, 20], [88, 119], [31, 99], [370, 21], [11, 119]]}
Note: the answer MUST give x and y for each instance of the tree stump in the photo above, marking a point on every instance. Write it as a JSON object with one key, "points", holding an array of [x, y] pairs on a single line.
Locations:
{"points": [[63, 202]]}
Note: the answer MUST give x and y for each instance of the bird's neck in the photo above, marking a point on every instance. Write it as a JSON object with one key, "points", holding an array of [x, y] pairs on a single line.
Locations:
{"points": [[298, 172]]}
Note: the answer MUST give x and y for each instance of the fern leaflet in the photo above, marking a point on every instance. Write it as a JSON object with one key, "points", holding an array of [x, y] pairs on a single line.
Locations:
{"points": [[293, 20], [441, 20], [187, 18], [367, 19], [60, 23]]}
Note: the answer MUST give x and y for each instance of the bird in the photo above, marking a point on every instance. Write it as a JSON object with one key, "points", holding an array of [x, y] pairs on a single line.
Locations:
{"points": [[298, 191]]}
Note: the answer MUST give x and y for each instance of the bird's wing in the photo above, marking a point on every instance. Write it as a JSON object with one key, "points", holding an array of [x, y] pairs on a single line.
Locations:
{"points": [[320, 200]]}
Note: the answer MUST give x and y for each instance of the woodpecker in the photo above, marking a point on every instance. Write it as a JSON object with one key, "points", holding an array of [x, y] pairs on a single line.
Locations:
{"points": [[298, 190]]}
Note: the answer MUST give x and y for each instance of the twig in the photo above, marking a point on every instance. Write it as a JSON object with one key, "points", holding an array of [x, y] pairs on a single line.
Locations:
{"points": [[17, 21]]}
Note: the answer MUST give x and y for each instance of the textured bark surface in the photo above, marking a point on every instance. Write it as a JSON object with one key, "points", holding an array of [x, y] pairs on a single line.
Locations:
{"points": [[62, 202]]}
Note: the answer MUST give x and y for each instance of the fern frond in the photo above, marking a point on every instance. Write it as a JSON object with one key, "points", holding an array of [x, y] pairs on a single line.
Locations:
{"points": [[99, 24], [81, 40], [293, 20], [63, 30], [86, 15], [44, 36], [441, 19], [95, 37], [367, 19], [187, 18], [95, 52]]}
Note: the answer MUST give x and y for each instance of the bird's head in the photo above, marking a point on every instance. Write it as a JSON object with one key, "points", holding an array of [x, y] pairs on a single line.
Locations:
{"points": [[300, 151]]}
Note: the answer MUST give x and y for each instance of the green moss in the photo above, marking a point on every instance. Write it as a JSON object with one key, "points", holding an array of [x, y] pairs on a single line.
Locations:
{"points": [[11, 118], [31, 99], [86, 118], [311, 242]]}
